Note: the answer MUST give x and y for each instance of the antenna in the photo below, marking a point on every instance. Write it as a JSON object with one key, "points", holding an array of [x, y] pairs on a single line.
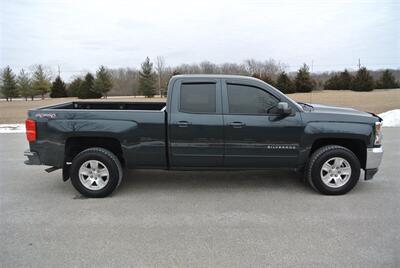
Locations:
{"points": [[312, 68], [359, 63], [59, 71]]}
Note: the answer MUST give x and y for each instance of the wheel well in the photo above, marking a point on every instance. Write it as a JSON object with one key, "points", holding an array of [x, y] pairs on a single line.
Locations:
{"points": [[75, 145], [358, 147]]}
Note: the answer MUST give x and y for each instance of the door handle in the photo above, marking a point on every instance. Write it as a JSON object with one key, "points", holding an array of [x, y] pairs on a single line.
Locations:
{"points": [[237, 124], [183, 124]]}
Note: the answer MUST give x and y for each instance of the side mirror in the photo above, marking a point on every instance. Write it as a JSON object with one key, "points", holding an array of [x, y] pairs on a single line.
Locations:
{"points": [[284, 109]]}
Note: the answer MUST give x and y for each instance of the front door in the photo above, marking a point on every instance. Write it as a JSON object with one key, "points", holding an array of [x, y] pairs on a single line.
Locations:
{"points": [[255, 136], [195, 124]]}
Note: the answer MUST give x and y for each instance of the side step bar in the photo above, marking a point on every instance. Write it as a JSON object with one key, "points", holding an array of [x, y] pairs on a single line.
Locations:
{"points": [[51, 169]]}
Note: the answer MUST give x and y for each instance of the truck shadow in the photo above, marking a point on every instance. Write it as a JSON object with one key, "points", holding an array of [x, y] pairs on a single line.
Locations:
{"points": [[153, 180]]}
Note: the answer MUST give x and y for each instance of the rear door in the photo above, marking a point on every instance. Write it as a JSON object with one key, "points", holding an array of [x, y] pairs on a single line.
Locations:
{"points": [[196, 123], [255, 136]]}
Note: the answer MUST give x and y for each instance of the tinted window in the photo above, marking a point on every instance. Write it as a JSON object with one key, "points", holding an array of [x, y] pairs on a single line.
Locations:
{"points": [[198, 98], [250, 100]]}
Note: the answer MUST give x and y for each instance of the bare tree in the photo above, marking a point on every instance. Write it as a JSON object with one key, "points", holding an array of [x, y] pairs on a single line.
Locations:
{"points": [[233, 68], [269, 67], [125, 81], [253, 66], [273, 68], [160, 68], [208, 67]]}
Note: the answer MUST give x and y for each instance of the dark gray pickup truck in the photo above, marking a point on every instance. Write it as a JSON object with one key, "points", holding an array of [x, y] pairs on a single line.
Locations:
{"points": [[208, 122]]}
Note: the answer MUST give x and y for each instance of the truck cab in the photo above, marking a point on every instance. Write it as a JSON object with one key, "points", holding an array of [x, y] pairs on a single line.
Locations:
{"points": [[231, 122]]}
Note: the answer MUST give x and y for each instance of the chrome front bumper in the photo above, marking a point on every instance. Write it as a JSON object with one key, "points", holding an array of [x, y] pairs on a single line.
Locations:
{"points": [[374, 158]]}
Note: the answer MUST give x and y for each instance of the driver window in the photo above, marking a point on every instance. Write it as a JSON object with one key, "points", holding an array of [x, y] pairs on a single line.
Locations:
{"points": [[244, 99]]}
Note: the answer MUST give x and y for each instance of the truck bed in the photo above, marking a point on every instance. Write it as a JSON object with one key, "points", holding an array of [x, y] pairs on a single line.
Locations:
{"points": [[140, 128]]}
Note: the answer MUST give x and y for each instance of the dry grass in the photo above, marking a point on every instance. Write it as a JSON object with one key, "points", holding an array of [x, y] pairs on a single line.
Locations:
{"points": [[376, 101]]}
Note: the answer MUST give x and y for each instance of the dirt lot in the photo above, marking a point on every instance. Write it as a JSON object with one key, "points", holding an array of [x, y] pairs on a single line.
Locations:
{"points": [[377, 101]]}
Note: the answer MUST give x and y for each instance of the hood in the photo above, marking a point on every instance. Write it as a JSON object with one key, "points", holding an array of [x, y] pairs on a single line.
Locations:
{"points": [[321, 112], [327, 109]]}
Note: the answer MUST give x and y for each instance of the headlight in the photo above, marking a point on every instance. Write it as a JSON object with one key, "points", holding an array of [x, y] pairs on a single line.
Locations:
{"points": [[378, 133]]}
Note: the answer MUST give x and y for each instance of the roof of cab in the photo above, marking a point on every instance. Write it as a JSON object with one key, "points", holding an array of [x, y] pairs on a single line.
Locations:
{"points": [[215, 76]]}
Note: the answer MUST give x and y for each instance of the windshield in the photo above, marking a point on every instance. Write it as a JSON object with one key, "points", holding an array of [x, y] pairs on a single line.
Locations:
{"points": [[306, 107]]}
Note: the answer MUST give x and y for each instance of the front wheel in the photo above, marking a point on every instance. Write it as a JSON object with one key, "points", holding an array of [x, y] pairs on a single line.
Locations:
{"points": [[333, 170], [96, 172]]}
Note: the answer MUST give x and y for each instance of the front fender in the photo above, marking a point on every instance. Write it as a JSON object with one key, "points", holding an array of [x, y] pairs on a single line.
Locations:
{"points": [[314, 131], [345, 130]]}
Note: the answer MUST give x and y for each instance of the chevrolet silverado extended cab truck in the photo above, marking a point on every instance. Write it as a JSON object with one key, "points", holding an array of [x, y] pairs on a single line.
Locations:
{"points": [[208, 122]]}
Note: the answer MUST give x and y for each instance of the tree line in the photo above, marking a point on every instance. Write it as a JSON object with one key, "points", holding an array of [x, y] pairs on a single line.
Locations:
{"points": [[39, 84], [152, 79], [24, 85], [361, 81], [129, 81]]}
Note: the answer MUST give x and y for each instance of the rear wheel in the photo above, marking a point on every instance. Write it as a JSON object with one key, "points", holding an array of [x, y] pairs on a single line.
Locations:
{"points": [[333, 170], [96, 172]]}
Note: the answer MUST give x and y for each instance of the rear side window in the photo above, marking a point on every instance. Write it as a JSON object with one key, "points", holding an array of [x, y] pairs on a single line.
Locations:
{"points": [[244, 99], [198, 98]]}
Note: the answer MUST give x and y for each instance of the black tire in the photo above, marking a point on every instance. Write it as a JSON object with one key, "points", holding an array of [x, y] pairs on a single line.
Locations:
{"points": [[322, 155], [105, 158]]}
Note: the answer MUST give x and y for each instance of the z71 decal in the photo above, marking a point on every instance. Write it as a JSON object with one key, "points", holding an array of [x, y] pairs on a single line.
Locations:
{"points": [[48, 115]]}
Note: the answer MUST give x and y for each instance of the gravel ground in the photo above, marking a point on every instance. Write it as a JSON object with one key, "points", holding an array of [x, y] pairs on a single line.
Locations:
{"points": [[197, 219]]}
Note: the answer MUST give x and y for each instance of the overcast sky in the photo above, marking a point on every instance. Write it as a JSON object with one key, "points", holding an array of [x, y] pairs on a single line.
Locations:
{"points": [[81, 35]]}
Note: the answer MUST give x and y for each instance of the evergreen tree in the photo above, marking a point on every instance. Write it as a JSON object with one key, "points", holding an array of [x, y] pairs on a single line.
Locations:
{"points": [[25, 85], [86, 89], [333, 83], [103, 81], [268, 79], [74, 87], [284, 83], [341, 81], [345, 79], [363, 81], [41, 83], [387, 80], [147, 79], [303, 81], [9, 85], [58, 88]]}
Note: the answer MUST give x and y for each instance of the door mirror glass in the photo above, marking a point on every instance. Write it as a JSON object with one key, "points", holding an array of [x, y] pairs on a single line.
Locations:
{"points": [[283, 108]]}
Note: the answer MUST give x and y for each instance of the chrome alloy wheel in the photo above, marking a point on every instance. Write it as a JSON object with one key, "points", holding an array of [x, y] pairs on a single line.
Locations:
{"points": [[335, 172], [94, 175]]}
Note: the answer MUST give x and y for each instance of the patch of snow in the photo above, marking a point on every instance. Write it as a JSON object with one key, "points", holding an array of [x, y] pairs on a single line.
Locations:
{"points": [[391, 118], [12, 128]]}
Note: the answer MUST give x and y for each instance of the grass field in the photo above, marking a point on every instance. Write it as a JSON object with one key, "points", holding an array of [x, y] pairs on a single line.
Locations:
{"points": [[376, 101]]}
